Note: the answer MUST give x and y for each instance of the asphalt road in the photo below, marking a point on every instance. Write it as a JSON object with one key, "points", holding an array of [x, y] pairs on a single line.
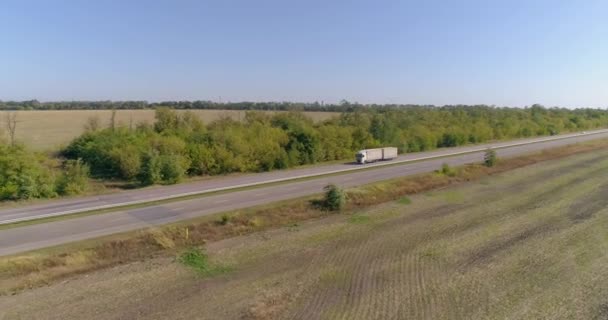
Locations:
{"points": [[54, 233]]}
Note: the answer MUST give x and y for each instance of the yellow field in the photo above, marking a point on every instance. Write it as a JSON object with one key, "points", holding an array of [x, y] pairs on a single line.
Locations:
{"points": [[47, 130]]}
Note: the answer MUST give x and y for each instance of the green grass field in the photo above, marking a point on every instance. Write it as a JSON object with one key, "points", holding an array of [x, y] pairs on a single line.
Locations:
{"points": [[47, 130], [527, 244]]}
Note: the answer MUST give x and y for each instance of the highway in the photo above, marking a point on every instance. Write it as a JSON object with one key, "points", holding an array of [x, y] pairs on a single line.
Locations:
{"points": [[59, 232], [51, 208]]}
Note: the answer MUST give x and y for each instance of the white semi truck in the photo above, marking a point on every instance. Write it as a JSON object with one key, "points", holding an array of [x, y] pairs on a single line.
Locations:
{"points": [[378, 154]]}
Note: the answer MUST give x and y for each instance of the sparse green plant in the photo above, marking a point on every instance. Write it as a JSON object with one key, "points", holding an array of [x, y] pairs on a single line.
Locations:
{"points": [[195, 258], [405, 200], [489, 158], [359, 219], [224, 219], [293, 226], [198, 260], [447, 170]]}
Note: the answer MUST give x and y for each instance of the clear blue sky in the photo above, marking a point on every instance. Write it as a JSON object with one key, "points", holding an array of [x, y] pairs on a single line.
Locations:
{"points": [[428, 52]]}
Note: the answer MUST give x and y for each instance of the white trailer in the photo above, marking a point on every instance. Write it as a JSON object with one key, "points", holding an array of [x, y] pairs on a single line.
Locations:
{"points": [[378, 154]]}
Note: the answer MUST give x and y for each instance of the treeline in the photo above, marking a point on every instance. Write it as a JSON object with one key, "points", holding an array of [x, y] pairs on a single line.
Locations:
{"points": [[72, 105], [343, 106], [180, 145], [183, 105]]}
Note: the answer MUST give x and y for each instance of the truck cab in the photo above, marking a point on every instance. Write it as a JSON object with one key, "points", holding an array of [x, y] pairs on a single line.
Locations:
{"points": [[361, 157]]}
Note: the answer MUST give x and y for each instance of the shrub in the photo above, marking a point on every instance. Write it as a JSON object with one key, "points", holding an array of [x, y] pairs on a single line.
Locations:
{"points": [[447, 170], [128, 161], [151, 169], [23, 175], [74, 179], [173, 168], [489, 158], [202, 159], [335, 198]]}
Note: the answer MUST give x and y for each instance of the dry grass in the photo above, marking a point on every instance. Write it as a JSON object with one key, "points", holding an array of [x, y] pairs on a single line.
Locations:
{"points": [[268, 306], [46, 130], [44, 266]]}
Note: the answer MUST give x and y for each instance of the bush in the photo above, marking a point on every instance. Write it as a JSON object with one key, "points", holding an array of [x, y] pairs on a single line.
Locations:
{"points": [[335, 198], [158, 168], [489, 158], [23, 175], [447, 170], [74, 179], [173, 168], [202, 159], [151, 169], [127, 160]]}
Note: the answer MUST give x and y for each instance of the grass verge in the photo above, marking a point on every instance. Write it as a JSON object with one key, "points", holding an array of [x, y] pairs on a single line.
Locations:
{"points": [[47, 265]]}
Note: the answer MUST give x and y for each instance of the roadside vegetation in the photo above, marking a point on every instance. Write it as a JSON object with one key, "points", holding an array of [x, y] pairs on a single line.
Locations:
{"points": [[180, 145], [529, 243], [45, 266]]}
